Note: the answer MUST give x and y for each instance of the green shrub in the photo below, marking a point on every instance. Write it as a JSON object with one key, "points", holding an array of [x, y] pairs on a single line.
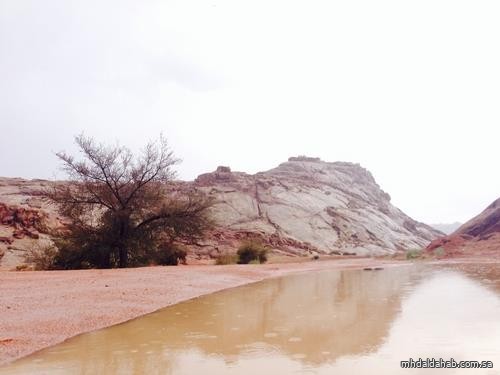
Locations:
{"points": [[226, 259], [251, 251], [413, 254], [439, 252]]}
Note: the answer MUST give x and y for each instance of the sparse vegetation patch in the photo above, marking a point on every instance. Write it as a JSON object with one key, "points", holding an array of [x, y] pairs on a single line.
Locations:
{"points": [[413, 254], [252, 251], [226, 258]]}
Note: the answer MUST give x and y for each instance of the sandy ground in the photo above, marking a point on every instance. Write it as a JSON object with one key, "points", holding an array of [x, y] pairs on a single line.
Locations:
{"points": [[40, 309]]}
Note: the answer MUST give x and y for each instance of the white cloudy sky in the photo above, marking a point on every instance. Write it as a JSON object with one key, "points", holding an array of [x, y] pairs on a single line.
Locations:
{"points": [[409, 89]]}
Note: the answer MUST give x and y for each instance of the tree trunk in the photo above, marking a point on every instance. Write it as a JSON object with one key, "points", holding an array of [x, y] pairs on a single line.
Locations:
{"points": [[123, 218], [106, 260], [123, 253]]}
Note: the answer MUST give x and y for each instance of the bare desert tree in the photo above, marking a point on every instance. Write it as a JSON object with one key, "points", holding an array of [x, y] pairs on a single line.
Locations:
{"points": [[122, 209]]}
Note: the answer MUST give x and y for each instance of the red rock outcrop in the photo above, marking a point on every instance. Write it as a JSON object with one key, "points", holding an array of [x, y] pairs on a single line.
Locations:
{"points": [[478, 237], [24, 220]]}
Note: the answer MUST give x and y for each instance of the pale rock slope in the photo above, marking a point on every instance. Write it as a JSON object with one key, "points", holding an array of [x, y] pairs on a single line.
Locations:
{"points": [[307, 205]]}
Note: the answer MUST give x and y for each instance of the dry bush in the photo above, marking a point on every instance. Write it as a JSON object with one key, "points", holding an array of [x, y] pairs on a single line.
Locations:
{"points": [[226, 258], [122, 207], [170, 255], [41, 255]]}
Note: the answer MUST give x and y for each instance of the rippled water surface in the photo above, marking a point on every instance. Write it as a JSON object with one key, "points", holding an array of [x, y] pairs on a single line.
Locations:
{"points": [[328, 322]]}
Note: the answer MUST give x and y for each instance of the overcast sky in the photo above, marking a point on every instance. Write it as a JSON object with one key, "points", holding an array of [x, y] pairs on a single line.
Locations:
{"points": [[409, 89]]}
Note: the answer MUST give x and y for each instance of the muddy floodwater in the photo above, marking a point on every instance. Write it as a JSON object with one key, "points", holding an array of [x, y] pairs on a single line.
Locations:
{"points": [[326, 322]]}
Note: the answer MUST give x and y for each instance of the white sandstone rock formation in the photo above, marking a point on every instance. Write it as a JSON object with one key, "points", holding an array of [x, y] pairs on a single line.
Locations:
{"points": [[306, 205]]}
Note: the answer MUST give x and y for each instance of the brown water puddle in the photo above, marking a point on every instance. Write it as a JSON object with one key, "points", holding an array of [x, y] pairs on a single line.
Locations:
{"points": [[342, 322]]}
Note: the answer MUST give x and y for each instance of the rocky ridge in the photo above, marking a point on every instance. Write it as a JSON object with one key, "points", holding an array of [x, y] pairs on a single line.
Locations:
{"points": [[309, 206], [480, 236], [303, 206]]}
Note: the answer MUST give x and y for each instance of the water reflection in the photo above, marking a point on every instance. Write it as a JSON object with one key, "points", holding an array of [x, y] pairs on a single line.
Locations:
{"points": [[356, 321]]}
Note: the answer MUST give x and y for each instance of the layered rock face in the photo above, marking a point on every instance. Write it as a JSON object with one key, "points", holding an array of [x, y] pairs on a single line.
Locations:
{"points": [[24, 219], [303, 206], [478, 237], [306, 205]]}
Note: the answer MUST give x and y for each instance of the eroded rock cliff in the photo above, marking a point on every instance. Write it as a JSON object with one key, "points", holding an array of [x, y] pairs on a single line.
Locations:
{"points": [[303, 206], [307, 205]]}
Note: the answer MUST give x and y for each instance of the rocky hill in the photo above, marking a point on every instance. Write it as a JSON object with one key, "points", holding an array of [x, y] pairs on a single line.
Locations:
{"points": [[303, 206], [307, 205], [478, 237]]}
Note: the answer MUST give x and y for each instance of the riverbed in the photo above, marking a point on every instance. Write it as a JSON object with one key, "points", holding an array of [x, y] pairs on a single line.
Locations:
{"points": [[40, 309], [322, 321]]}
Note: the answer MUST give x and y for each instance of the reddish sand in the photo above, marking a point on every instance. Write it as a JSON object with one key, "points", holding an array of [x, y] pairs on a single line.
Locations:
{"points": [[40, 309]]}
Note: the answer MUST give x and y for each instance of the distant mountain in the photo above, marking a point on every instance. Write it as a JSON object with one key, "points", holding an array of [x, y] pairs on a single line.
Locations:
{"points": [[447, 228], [480, 236]]}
